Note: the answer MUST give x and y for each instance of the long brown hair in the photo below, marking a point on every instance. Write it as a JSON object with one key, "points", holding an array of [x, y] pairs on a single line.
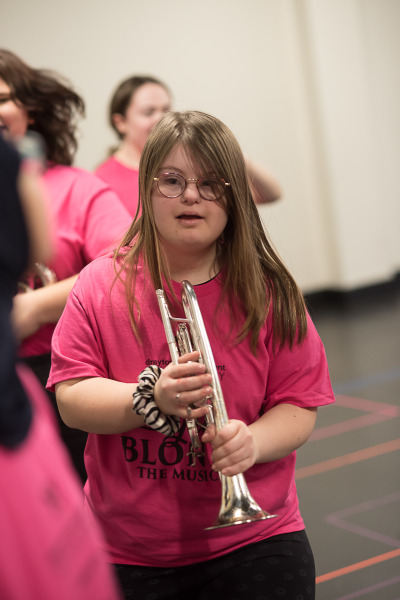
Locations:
{"points": [[51, 103], [253, 273]]}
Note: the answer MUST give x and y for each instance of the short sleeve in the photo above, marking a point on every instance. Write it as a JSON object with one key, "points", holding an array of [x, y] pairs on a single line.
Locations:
{"points": [[76, 347], [300, 375], [106, 221]]}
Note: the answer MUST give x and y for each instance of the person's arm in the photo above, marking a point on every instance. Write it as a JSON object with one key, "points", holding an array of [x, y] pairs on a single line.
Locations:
{"points": [[282, 430], [264, 186], [44, 305], [97, 405], [36, 218], [104, 406], [279, 432]]}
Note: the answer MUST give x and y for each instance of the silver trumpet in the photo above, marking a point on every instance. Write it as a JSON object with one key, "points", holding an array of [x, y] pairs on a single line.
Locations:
{"points": [[41, 273], [237, 504]]}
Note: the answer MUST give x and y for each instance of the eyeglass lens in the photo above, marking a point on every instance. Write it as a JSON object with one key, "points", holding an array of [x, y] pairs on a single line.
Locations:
{"points": [[173, 185]]}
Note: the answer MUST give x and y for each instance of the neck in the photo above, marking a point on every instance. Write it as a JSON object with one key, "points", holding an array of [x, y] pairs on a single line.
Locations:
{"points": [[198, 269], [128, 155]]}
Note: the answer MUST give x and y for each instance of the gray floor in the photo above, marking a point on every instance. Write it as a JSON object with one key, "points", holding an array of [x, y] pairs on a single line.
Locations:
{"points": [[348, 473]]}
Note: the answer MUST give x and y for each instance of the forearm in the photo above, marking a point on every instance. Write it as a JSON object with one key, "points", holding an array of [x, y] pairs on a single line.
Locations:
{"points": [[36, 308], [105, 406], [264, 186], [97, 405], [33, 205], [282, 430], [49, 301]]}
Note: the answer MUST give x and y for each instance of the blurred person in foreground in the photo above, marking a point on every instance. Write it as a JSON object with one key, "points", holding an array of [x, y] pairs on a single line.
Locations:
{"points": [[49, 547]]}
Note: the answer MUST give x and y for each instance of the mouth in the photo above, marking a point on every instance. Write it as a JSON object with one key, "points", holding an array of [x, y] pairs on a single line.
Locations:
{"points": [[189, 220], [189, 217]]}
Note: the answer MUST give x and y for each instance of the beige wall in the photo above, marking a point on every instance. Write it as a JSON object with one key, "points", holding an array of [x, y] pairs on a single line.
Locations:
{"points": [[311, 88]]}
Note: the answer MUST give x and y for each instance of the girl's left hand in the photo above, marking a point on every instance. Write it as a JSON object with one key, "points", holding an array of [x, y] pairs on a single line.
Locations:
{"points": [[234, 448]]}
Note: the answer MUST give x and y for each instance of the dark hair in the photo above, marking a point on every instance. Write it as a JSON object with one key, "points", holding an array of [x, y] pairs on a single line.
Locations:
{"points": [[123, 96], [50, 102]]}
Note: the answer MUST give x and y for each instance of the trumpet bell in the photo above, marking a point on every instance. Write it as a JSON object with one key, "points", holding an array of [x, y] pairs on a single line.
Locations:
{"points": [[237, 505]]}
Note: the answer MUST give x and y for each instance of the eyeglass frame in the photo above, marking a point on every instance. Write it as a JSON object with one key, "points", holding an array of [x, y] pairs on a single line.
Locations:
{"points": [[192, 180]]}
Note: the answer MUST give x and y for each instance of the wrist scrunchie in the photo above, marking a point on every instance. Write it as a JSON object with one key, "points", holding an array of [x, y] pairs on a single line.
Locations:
{"points": [[144, 404]]}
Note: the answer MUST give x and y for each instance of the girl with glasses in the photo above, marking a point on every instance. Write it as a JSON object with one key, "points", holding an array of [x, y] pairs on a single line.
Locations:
{"points": [[113, 376]]}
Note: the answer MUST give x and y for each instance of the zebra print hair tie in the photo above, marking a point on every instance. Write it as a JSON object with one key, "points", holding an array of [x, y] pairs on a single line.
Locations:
{"points": [[144, 404]]}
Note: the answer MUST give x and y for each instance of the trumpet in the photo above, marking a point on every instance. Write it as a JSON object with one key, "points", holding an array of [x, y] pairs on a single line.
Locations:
{"points": [[43, 276], [237, 504]]}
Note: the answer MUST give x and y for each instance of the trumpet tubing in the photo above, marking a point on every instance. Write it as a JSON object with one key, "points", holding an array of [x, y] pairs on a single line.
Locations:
{"points": [[237, 504], [43, 273]]}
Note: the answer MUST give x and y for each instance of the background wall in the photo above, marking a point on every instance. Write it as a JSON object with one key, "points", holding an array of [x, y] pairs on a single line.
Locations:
{"points": [[311, 88]]}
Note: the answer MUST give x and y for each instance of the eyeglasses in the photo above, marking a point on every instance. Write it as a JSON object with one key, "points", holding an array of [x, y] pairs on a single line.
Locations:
{"points": [[172, 185]]}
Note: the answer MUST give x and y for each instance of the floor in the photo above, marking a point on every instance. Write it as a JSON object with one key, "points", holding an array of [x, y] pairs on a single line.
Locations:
{"points": [[348, 473]]}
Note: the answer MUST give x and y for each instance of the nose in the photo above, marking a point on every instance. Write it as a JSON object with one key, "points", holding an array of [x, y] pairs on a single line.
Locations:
{"points": [[191, 193]]}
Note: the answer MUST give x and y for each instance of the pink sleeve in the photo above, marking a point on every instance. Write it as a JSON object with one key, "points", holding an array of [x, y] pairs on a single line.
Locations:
{"points": [[76, 349], [300, 375], [107, 220]]}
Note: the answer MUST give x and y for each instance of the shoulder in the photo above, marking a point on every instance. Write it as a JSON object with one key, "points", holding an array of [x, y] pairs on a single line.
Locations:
{"points": [[87, 180], [99, 267], [105, 166], [74, 176], [96, 274], [110, 166], [76, 184], [113, 166]]}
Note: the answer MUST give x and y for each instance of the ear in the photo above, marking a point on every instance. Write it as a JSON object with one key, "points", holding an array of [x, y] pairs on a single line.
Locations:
{"points": [[119, 123]]}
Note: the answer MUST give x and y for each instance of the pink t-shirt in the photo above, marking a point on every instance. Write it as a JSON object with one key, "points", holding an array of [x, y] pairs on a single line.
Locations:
{"points": [[153, 506], [122, 179], [87, 220], [49, 546]]}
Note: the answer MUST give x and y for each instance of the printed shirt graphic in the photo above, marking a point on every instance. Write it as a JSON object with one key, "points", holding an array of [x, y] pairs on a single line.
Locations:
{"points": [[152, 504]]}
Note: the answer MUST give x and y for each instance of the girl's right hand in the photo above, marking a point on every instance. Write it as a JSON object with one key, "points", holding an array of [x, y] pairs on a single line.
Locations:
{"points": [[182, 389]]}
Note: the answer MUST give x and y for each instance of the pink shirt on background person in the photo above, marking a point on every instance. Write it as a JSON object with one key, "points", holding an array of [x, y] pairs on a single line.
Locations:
{"points": [[152, 505], [49, 548], [123, 180], [87, 219]]}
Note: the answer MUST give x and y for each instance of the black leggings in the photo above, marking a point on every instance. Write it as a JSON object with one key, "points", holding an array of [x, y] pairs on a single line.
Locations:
{"points": [[281, 567]]}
